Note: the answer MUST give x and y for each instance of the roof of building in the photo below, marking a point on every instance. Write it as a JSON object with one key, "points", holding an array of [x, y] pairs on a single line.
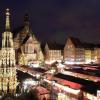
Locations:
{"points": [[88, 86], [95, 72], [17, 30], [76, 42], [89, 46], [24, 29], [41, 90], [43, 47], [79, 44], [26, 38], [69, 83], [41, 70], [55, 46], [22, 76]]}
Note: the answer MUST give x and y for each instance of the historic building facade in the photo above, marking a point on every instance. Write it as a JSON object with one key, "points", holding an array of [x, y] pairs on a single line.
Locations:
{"points": [[97, 55], [28, 49], [77, 52], [53, 52], [8, 80], [73, 51], [89, 55]]}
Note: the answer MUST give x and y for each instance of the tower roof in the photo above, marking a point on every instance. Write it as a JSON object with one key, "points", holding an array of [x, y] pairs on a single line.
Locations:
{"points": [[7, 27], [24, 29], [26, 19]]}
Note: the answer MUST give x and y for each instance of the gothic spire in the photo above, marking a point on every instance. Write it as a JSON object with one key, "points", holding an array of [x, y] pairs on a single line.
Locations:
{"points": [[26, 19], [7, 27], [26, 23]]}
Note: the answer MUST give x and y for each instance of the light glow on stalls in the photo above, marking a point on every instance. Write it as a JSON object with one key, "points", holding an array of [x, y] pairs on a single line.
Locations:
{"points": [[88, 61], [72, 62], [29, 82], [50, 62], [92, 97], [62, 96], [65, 88], [69, 62], [52, 71], [59, 65], [34, 65], [37, 76]]}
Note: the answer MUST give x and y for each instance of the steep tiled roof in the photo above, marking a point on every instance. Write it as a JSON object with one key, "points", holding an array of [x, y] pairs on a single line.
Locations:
{"points": [[26, 38], [76, 42], [88, 45], [17, 30], [55, 46], [80, 44]]}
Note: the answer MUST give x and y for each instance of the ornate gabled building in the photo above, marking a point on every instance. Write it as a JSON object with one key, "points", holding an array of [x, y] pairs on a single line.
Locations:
{"points": [[28, 49], [74, 51], [77, 52], [8, 78]]}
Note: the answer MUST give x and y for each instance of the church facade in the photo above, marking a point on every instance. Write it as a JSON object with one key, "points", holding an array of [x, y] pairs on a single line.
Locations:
{"points": [[27, 47]]}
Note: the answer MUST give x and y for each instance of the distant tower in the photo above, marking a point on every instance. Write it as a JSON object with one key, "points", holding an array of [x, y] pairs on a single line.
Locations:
{"points": [[8, 78]]}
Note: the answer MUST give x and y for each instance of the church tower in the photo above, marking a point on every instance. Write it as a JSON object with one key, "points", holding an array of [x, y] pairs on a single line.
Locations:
{"points": [[8, 78]]}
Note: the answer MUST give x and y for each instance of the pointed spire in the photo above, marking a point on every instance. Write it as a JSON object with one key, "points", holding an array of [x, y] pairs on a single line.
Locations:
{"points": [[7, 27], [26, 23], [26, 19]]}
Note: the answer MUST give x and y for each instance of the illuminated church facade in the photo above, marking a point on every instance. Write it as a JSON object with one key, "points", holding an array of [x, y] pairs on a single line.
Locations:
{"points": [[27, 47], [8, 80]]}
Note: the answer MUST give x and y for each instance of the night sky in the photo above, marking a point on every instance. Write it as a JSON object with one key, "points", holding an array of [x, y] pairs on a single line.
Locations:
{"points": [[55, 20]]}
